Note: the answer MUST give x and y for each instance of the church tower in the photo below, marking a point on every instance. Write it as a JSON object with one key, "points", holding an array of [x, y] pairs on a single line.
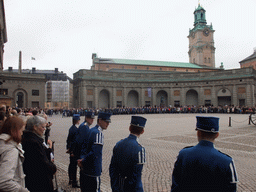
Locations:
{"points": [[201, 43]]}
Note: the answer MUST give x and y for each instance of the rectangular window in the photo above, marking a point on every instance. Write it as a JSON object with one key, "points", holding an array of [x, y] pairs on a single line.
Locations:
{"points": [[119, 93], [35, 92], [147, 103], [119, 104], [3, 91], [89, 104], [241, 102], [176, 103], [35, 104], [207, 103], [89, 92], [146, 93]]}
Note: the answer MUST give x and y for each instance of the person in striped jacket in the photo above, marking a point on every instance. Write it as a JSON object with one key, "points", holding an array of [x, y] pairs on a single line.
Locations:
{"points": [[90, 161], [128, 160]]}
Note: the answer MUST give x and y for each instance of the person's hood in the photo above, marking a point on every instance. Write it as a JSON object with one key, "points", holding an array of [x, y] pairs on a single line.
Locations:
{"points": [[10, 144]]}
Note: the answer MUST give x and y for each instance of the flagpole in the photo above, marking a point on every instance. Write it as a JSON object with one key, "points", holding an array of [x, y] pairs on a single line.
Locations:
{"points": [[32, 58]]}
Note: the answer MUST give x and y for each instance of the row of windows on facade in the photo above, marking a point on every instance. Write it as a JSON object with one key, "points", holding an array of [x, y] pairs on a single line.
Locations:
{"points": [[175, 93], [5, 92]]}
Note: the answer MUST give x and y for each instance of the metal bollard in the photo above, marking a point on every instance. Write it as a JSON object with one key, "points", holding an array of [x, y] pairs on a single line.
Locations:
{"points": [[249, 120], [229, 122]]}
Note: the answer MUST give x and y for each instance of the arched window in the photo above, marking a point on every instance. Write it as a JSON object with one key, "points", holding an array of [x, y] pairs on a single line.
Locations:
{"points": [[209, 60], [194, 60], [205, 60]]}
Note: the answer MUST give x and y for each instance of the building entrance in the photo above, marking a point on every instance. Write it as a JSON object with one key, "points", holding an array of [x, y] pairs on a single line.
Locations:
{"points": [[133, 99], [20, 100]]}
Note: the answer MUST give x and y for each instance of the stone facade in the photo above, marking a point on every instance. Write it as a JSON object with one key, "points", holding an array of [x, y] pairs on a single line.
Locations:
{"points": [[22, 90], [101, 89], [49, 76]]}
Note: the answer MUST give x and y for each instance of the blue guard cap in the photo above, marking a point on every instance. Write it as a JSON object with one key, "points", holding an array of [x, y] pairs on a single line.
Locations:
{"points": [[89, 115], [104, 116], [76, 117], [138, 121], [207, 124]]}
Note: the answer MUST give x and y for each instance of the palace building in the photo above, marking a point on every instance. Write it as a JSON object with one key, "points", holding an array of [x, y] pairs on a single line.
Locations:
{"points": [[135, 83]]}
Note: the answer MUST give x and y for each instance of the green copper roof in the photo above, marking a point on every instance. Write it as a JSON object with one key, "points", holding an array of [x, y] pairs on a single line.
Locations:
{"points": [[199, 8], [150, 63]]}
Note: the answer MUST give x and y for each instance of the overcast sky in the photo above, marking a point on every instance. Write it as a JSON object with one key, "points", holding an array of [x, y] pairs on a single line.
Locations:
{"points": [[63, 33]]}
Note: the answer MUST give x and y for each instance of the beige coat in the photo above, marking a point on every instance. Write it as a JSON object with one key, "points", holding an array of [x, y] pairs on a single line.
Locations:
{"points": [[12, 178]]}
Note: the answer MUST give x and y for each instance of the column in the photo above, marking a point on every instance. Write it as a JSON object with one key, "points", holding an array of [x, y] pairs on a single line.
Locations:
{"points": [[153, 97], [142, 96], [253, 98], [124, 97], [248, 95], [182, 97], [213, 96], [96, 100], [170, 96], [113, 97], [201, 97], [83, 97], [234, 96], [80, 95]]}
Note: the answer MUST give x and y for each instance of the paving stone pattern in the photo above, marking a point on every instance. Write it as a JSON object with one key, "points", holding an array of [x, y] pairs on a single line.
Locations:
{"points": [[165, 135]]}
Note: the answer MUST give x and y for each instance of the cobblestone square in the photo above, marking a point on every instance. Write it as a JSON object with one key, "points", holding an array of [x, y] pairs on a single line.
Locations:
{"points": [[165, 135]]}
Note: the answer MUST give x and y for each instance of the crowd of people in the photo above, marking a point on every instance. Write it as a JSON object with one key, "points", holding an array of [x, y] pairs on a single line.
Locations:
{"points": [[26, 153], [133, 110], [27, 156], [155, 110]]}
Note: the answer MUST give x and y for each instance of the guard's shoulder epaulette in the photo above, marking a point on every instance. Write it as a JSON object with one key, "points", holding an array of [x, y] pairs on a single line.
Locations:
{"points": [[188, 147], [140, 145], [224, 154]]}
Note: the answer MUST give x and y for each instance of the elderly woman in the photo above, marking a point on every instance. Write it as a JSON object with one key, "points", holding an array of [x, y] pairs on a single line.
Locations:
{"points": [[38, 166], [11, 156]]}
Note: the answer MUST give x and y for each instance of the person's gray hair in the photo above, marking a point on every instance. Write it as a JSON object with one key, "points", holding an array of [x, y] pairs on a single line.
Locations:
{"points": [[34, 121]]}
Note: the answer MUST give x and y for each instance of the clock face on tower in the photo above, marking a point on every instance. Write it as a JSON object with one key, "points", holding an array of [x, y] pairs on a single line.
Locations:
{"points": [[206, 32]]}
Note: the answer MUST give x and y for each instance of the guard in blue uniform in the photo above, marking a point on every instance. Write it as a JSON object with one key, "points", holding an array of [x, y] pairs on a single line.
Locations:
{"points": [[71, 141], [128, 160], [83, 131], [91, 156], [202, 167]]}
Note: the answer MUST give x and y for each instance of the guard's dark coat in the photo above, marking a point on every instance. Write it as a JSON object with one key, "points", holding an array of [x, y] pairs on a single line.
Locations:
{"points": [[203, 168], [126, 165]]}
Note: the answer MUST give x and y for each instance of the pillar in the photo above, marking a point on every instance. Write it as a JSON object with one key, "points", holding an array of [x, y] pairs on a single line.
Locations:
{"points": [[96, 96], [234, 95], [214, 97]]}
